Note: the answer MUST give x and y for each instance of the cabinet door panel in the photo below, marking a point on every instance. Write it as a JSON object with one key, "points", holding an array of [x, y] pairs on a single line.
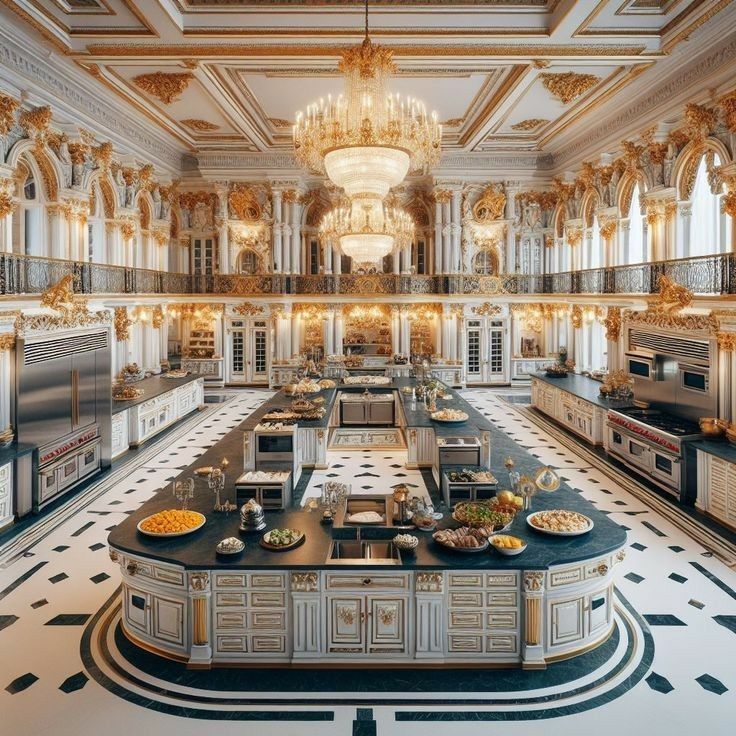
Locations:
{"points": [[566, 621], [168, 620], [386, 623], [345, 623]]}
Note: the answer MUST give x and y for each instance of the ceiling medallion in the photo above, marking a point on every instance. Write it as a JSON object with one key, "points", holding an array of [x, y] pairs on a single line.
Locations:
{"points": [[164, 85], [567, 86], [367, 139], [531, 124], [201, 126], [366, 229]]}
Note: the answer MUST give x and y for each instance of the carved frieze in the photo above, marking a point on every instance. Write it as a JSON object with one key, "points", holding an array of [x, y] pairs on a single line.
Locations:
{"points": [[568, 86], [201, 126], [304, 582], [166, 86], [530, 124], [429, 582]]}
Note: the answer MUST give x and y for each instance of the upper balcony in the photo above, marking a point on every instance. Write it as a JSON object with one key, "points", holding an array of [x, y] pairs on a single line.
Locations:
{"points": [[706, 275]]}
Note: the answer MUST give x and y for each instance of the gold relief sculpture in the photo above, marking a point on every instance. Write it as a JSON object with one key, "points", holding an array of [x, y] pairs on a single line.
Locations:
{"points": [[726, 341], [653, 214], [487, 310], [201, 126], [247, 309], [280, 123], [244, 204], [7, 341], [290, 195], [102, 155], [576, 316], [8, 106], [442, 195], [114, 556], [304, 582], [574, 235], [346, 615], [549, 240], [728, 107], [6, 204], [199, 581], [162, 236], [631, 156], [429, 582], [36, 122], [157, 317], [699, 123], [587, 175], [127, 229], [145, 176], [533, 581], [612, 323], [78, 152], [567, 86], [166, 86], [530, 124], [453, 122], [621, 555], [673, 297], [122, 323], [546, 200], [490, 205], [386, 614]]}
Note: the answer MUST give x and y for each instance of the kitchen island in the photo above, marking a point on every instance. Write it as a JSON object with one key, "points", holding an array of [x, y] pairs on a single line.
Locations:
{"points": [[302, 606]]}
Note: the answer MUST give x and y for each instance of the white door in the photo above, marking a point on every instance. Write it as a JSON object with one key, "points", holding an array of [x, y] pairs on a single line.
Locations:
{"points": [[257, 363], [474, 367], [237, 353], [496, 366]]}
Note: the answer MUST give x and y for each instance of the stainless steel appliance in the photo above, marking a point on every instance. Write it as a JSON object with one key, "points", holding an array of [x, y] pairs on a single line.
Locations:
{"points": [[458, 451], [367, 408], [276, 446], [63, 405], [651, 443], [642, 367]]}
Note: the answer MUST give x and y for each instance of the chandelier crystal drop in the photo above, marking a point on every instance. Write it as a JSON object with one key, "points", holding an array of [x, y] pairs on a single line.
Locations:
{"points": [[366, 229], [367, 140]]}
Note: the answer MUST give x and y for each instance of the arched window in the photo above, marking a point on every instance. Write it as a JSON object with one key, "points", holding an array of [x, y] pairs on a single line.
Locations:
{"points": [[29, 233], [636, 253], [248, 262], [710, 231], [485, 262]]}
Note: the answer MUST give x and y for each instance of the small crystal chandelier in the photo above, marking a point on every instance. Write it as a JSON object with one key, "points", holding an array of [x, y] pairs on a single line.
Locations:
{"points": [[367, 140], [366, 229]]}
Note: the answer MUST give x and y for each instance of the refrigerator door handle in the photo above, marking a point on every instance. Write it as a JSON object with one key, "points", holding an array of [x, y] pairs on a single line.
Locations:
{"points": [[75, 398]]}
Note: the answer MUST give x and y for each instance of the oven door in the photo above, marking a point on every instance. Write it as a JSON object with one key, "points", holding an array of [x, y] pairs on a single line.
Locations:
{"points": [[643, 367], [694, 378], [666, 468]]}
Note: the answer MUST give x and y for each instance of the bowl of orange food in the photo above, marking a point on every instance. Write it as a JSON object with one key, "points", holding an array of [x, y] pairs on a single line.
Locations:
{"points": [[171, 523]]}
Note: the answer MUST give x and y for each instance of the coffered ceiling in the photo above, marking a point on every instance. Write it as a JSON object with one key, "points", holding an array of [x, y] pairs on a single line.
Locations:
{"points": [[228, 75]]}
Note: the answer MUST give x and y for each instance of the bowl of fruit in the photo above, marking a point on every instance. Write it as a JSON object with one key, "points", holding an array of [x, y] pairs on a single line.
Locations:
{"points": [[507, 501], [507, 545]]}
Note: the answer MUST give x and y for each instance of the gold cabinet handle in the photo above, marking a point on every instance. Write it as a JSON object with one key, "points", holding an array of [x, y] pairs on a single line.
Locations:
{"points": [[131, 568]]}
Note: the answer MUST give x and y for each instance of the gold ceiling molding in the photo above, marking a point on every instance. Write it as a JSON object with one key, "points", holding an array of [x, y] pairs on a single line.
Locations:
{"points": [[219, 50], [201, 126], [568, 86], [453, 122], [490, 205], [530, 124], [612, 323], [280, 123], [166, 86], [122, 323], [8, 106]]}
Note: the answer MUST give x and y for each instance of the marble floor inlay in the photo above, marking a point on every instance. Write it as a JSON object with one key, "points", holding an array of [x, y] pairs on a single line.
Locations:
{"points": [[57, 571]]}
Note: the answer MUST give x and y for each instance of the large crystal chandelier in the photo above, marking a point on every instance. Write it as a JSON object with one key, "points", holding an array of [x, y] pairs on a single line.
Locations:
{"points": [[366, 229], [367, 140]]}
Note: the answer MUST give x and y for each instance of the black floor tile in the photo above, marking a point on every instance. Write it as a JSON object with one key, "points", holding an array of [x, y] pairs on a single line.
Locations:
{"points": [[21, 683], [74, 682], [69, 619], [7, 620], [663, 619], [659, 683], [710, 683]]}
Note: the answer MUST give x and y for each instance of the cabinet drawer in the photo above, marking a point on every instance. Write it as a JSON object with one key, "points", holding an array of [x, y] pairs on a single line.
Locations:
{"points": [[230, 620], [464, 643], [502, 580], [506, 643], [464, 580], [567, 576], [268, 620], [268, 643], [224, 600], [268, 581], [501, 619], [469, 600], [230, 580], [261, 599], [596, 569], [506, 598], [466, 620], [165, 575], [228, 644], [367, 582]]}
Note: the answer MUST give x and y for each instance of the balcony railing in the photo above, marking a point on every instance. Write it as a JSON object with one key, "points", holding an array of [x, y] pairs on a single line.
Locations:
{"points": [[21, 275]]}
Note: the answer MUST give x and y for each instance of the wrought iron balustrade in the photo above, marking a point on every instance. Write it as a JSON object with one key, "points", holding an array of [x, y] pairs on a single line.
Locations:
{"points": [[20, 274]]}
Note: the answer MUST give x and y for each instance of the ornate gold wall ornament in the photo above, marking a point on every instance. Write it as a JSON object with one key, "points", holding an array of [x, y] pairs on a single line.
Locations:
{"points": [[157, 317], [612, 323], [728, 107], [546, 200], [78, 152], [491, 285], [487, 309], [36, 121], [7, 342], [673, 297], [443, 196], [549, 240], [608, 227], [576, 316], [304, 582], [453, 122], [102, 155], [621, 555], [386, 614], [145, 177], [567, 86], [280, 123], [122, 323], [699, 122], [346, 615], [246, 309], [290, 195], [530, 124], [490, 205], [533, 581], [199, 581], [114, 556], [631, 156], [162, 236], [726, 341], [127, 229], [166, 86], [6, 205], [8, 106], [429, 582], [653, 214], [729, 203], [244, 204], [573, 235], [201, 126]]}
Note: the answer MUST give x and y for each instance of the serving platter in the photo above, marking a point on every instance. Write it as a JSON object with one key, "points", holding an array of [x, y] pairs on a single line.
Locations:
{"points": [[464, 550], [170, 534], [553, 533], [263, 541], [435, 418]]}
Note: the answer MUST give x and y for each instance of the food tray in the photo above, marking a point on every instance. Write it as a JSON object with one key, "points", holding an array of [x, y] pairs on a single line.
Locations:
{"points": [[280, 547], [170, 534], [555, 533]]}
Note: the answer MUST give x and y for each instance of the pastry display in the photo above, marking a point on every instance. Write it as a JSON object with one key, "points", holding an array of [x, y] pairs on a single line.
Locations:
{"points": [[176, 374], [482, 514], [171, 523], [463, 538], [327, 383], [449, 415], [280, 415], [367, 380], [126, 393], [465, 475], [560, 521]]}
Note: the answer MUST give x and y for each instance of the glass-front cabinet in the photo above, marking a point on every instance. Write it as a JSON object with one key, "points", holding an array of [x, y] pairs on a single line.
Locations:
{"points": [[485, 351], [248, 348]]}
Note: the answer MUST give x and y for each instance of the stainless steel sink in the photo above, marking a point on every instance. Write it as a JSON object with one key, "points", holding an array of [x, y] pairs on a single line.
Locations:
{"points": [[352, 552]]}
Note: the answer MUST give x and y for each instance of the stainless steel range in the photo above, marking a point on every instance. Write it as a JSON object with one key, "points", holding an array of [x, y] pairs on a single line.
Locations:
{"points": [[650, 442]]}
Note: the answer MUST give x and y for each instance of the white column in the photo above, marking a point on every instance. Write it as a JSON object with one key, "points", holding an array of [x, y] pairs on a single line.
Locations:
{"points": [[404, 332], [296, 329], [223, 241], [328, 332], [456, 230], [286, 235], [339, 329], [296, 235], [57, 232], [395, 330], [682, 229], [446, 237], [276, 230], [438, 237]]}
